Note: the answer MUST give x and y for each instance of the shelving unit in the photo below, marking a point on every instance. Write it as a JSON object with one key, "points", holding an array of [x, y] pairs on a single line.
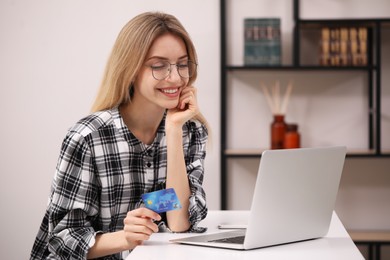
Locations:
{"points": [[373, 70]]}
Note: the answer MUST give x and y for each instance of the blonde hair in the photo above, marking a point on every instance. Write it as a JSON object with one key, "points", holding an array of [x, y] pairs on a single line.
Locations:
{"points": [[129, 53]]}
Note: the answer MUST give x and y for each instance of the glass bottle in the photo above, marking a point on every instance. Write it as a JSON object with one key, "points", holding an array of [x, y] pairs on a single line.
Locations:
{"points": [[278, 130], [292, 137]]}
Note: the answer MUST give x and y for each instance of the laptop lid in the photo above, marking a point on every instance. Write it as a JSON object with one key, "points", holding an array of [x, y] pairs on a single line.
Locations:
{"points": [[294, 196], [293, 200]]}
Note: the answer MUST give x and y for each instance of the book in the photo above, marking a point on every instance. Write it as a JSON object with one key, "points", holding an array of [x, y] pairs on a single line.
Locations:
{"points": [[262, 41], [343, 46]]}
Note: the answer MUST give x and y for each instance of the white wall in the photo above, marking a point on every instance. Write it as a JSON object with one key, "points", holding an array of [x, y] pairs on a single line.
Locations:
{"points": [[52, 54]]}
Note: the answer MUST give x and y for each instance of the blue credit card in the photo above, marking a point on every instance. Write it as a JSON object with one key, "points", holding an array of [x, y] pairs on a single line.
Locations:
{"points": [[161, 200]]}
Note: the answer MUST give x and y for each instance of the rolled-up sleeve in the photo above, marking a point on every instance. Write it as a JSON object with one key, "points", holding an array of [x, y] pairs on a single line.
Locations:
{"points": [[196, 155], [73, 205]]}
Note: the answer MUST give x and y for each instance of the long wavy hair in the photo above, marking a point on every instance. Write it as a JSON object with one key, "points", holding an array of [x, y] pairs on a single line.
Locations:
{"points": [[129, 53]]}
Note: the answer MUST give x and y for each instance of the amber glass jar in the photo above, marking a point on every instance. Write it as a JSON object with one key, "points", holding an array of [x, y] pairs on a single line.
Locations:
{"points": [[292, 137], [278, 130]]}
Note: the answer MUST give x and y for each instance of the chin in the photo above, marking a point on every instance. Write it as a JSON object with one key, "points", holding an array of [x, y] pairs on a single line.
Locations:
{"points": [[170, 105]]}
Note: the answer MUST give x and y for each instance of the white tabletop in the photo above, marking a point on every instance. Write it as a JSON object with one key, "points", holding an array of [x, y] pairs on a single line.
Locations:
{"points": [[336, 245]]}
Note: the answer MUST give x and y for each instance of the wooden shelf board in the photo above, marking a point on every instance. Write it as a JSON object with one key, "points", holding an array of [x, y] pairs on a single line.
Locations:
{"points": [[257, 153], [369, 236]]}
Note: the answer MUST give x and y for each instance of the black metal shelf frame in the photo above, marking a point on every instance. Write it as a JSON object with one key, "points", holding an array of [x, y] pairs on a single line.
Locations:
{"points": [[373, 70]]}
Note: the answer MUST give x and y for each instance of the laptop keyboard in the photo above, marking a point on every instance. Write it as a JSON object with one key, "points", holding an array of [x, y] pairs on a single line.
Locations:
{"points": [[231, 240]]}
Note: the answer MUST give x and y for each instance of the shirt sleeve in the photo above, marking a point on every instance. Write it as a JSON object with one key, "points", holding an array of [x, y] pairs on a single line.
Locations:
{"points": [[73, 204], [196, 154]]}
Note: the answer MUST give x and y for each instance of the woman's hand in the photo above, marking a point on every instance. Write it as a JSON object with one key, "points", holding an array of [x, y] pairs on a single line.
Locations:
{"points": [[186, 109], [139, 226]]}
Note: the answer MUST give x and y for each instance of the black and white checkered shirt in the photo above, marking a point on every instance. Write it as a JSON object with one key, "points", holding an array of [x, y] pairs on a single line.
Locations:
{"points": [[102, 171]]}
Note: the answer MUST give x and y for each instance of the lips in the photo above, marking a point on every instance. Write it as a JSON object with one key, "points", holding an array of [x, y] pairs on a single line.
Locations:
{"points": [[170, 92]]}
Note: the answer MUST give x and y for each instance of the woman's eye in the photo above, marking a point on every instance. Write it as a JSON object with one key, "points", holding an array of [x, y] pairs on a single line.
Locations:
{"points": [[159, 66], [182, 65]]}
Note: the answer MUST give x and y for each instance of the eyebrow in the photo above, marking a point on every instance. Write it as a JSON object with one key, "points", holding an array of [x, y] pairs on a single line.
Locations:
{"points": [[164, 58]]}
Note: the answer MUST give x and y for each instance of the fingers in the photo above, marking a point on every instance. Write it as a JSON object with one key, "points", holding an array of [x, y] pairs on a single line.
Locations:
{"points": [[144, 212], [187, 97], [139, 225], [184, 101], [186, 108]]}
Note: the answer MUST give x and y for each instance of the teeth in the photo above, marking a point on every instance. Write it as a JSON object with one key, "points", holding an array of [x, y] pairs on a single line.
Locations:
{"points": [[170, 91]]}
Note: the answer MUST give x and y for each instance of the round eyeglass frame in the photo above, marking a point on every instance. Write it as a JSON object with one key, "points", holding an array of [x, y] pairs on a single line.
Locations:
{"points": [[169, 70]]}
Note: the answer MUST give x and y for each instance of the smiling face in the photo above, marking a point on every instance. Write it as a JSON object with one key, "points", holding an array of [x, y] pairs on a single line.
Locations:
{"points": [[163, 93]]}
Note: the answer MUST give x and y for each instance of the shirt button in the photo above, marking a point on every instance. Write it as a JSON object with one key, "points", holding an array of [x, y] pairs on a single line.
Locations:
{"points": [[149, 164]]}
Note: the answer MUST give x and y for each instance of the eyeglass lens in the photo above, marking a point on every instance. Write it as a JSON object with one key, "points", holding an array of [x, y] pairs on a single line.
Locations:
{"points": [[162, 69]]}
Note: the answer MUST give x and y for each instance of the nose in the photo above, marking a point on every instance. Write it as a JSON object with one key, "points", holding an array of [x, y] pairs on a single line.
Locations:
{"points": [[173, 74]]}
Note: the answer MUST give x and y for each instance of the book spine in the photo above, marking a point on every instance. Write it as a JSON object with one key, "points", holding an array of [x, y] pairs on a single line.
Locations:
{"points": [[343, 46], [262, 41]]}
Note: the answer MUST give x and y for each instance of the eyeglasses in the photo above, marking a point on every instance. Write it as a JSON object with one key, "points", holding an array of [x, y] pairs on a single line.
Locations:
{"points": [[162, 69]]}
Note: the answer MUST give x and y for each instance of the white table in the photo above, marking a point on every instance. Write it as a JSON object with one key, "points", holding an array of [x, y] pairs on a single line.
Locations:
{"points": [[336, 245]]}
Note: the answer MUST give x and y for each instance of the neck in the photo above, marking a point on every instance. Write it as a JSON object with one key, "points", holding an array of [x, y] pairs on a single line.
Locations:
{"points": [[142, 122]]}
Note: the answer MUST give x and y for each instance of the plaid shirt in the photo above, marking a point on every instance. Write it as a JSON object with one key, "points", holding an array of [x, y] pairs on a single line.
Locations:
{"points": [[102, 171]]}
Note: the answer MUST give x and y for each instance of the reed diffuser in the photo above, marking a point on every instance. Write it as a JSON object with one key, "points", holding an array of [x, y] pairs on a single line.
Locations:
{"points": [[278, 108]]}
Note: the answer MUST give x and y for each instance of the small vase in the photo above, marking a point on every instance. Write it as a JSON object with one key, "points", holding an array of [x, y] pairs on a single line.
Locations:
{"points": [[292, 137], [278, 131]]}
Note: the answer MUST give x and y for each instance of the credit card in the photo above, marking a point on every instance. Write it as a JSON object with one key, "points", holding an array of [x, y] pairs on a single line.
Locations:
{"points": [[162, 200]]}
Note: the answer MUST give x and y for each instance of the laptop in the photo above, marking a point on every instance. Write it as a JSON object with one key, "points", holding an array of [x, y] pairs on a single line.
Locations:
{"points": [[294, 198]]}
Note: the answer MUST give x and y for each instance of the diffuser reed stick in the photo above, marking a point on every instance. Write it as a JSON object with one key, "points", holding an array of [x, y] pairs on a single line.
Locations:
{"points": [[274, 99]]}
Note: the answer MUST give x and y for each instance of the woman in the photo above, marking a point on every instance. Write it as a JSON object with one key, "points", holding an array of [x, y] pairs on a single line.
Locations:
{"points": [[146, 133]]}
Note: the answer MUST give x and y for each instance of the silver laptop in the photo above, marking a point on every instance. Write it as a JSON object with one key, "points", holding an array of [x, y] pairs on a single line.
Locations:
{"points": [[293, 200]]}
